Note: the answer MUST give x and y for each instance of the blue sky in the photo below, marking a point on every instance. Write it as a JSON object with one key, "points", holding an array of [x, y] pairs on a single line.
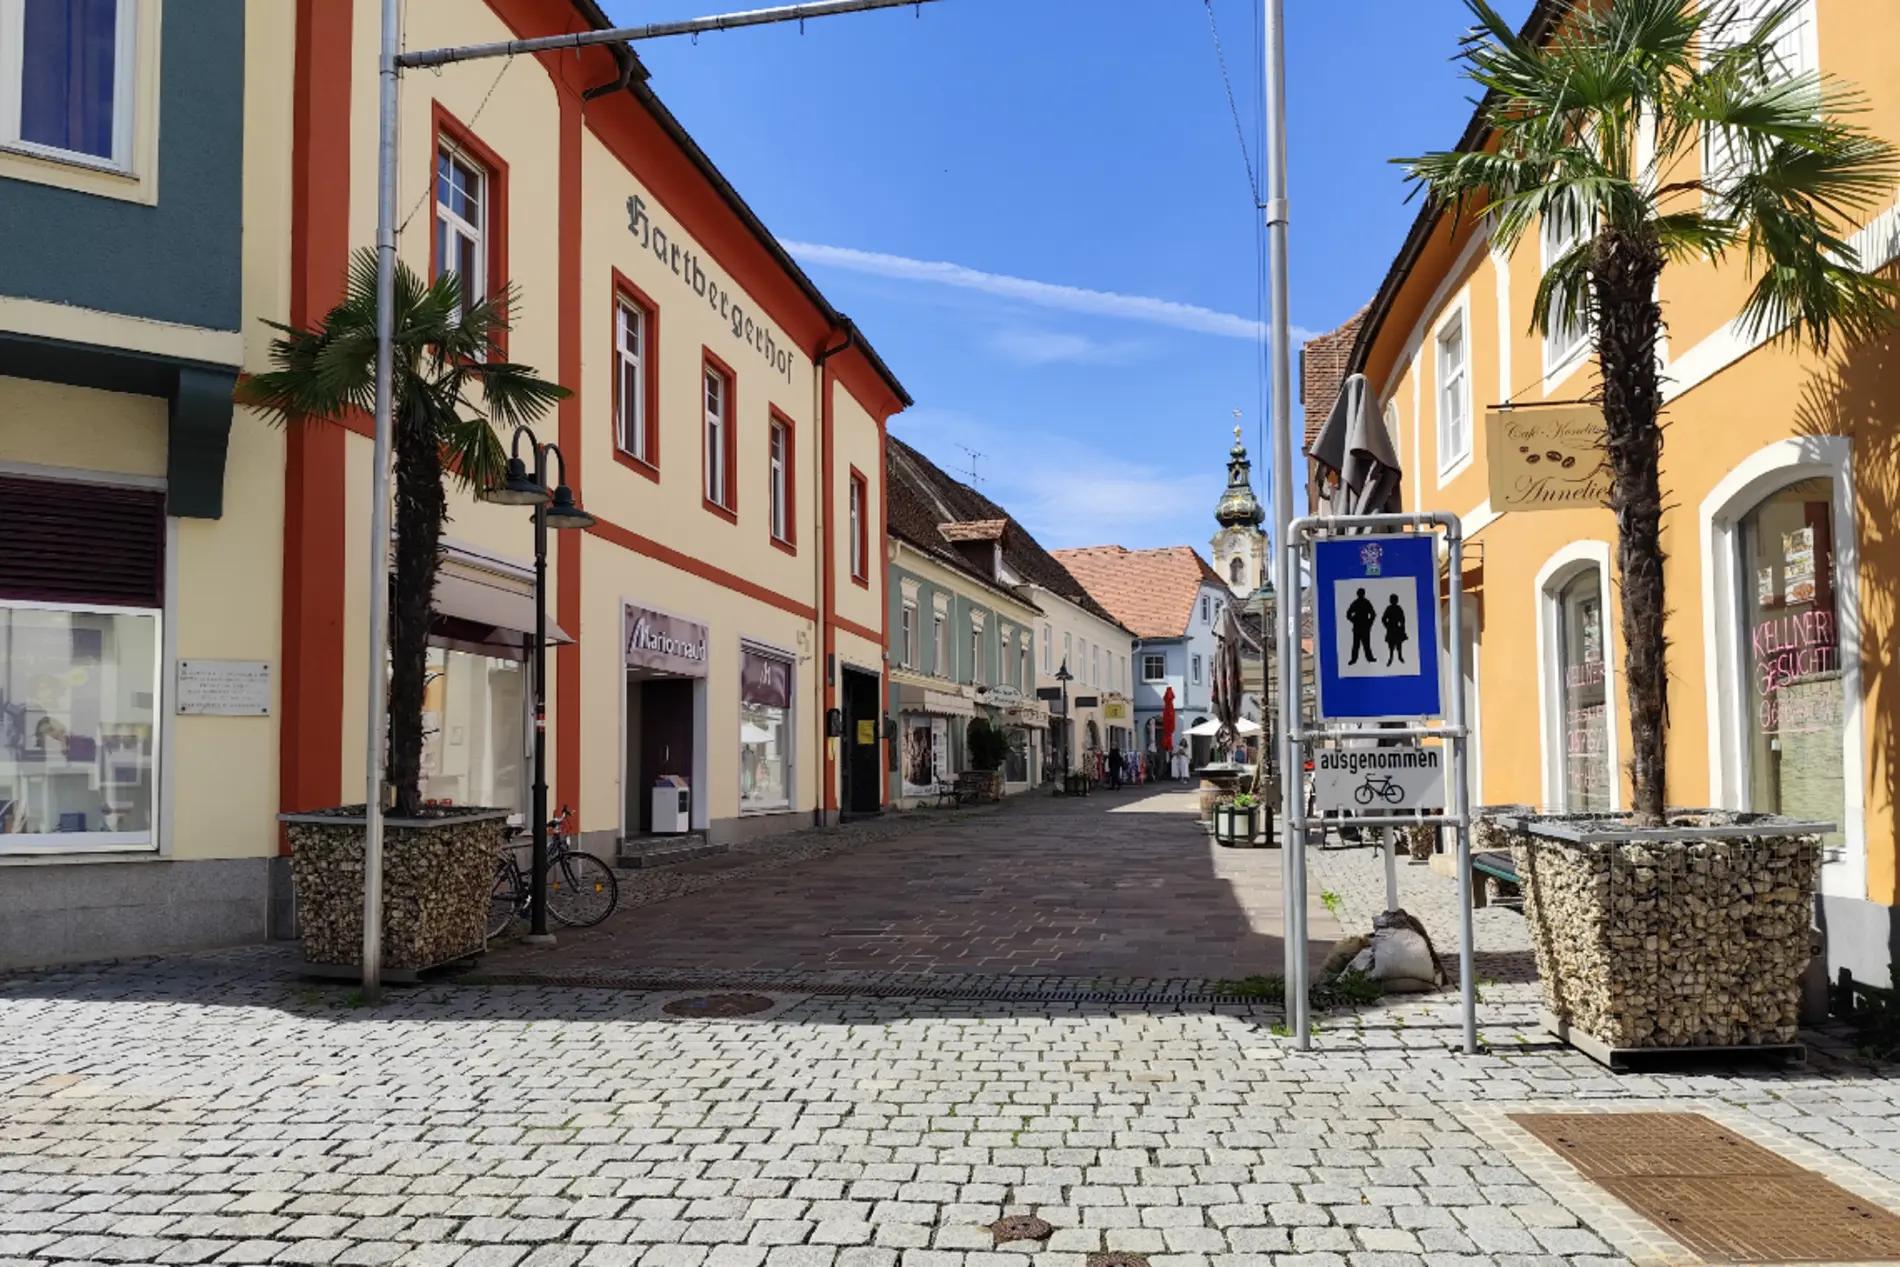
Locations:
{"points": [[1038, 211]]}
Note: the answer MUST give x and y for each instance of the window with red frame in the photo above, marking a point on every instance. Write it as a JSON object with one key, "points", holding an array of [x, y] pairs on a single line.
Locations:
{"points": [[860, 534], [781, 467], [720, 423]]}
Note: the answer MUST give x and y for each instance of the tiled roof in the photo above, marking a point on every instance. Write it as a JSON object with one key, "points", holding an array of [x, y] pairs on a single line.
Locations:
{"points": [[1151, 592], [926, 507], [1323, 362], [974, 530]]}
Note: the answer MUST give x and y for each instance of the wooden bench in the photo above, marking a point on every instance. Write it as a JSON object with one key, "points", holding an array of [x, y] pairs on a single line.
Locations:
{"points": [[1494, 865]]}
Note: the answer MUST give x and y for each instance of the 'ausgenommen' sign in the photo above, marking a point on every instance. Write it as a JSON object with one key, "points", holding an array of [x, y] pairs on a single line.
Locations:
{"points": [[1546, 458], [664, 643]]}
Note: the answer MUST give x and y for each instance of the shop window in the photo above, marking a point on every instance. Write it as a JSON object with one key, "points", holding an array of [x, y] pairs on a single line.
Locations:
{"points": [[718, 436], [1154, 668], [926, 754], [1791, 645], [461, 220], [1454, 394], [781, 474], [66, 79], [1016, 763], [636, 382], [907, 634], [1582, 688], [475, 733], [81, 592], [765, 732]]}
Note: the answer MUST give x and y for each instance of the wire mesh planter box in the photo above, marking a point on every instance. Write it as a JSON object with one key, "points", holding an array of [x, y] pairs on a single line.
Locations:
{"points": [[1693, 935], [438, 876]]}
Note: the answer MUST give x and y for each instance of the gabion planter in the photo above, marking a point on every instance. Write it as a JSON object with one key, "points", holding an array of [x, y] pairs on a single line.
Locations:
{"points": [[438, 876], [1695, 935]]}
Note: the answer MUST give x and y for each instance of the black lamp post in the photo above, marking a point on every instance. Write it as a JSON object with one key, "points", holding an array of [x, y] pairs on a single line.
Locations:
{"points": [[1068, 723], [556, 510]]}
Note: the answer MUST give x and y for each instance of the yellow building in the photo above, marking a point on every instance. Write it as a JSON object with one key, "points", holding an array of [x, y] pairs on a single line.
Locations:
{"points": [[723, 622], [1780, 471]]}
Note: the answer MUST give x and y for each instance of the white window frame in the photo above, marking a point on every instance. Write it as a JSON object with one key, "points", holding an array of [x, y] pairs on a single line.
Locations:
{"points": [[1565, 348], [907, 635], [778, 485], [1726, 686], [1048, 649], [1454, 434], [478, 233], [55, 844], [937, 646], [1559, 571], [1194, 663], [717, 419], [976, 654], [1095, 666], [125, 75], [1799, 42], [1068, 650], [1206, 609], [1155, 660], [630, 408]]}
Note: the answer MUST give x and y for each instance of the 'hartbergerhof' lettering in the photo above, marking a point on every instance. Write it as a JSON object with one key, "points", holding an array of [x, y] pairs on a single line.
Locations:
{"points": [[684, 262]]}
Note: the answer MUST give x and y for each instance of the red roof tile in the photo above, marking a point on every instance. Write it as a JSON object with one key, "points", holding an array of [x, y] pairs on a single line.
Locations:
{"points": [[1152, 592]]}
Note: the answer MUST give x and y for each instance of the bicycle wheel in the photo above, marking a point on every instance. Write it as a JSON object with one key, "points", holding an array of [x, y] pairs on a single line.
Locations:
{"points": [[1363, 793], [1394, 793], [582, 890], [504, 904]]}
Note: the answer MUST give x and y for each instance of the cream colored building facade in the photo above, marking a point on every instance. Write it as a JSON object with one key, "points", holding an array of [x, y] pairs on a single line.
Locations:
{"points": [[1097, 652]]}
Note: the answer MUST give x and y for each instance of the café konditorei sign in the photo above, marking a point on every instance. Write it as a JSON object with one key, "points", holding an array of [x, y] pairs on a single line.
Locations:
{"points": [[666, 644], [1546, 457], [676, 252]]}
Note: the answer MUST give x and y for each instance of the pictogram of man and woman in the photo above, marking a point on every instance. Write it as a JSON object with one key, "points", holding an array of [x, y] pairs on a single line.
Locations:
{"points": [[1362, 616]]}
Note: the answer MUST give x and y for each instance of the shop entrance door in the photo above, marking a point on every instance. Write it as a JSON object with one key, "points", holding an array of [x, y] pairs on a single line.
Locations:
{"points": [[863, 743], [661, 715]]}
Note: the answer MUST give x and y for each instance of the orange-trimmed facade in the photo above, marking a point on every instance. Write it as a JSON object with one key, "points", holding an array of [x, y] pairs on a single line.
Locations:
{"points": [[1782, 569]]}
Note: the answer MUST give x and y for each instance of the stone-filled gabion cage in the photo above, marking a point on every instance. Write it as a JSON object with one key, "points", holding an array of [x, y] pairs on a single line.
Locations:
{"points": [[1695, 941], [438, 877]]}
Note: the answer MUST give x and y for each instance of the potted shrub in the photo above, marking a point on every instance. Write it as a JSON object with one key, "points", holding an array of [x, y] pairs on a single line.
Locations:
{"points": [[986, 745], [453, 390], [1237, 819], [1709, 907]]}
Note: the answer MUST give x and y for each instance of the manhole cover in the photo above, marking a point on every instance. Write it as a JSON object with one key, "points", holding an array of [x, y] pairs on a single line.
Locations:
{"points": [[1117, 1259], [1021, 1227], [1724, 1197], [719, 1005]]}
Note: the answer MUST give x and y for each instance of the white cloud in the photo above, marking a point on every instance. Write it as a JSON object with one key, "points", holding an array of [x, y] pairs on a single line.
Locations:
{"points": [[1100, 303], [1044, 347]]}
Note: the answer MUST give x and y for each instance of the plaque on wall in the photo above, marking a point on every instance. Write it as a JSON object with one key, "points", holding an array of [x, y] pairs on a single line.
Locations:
{"points": [[223, 688]]}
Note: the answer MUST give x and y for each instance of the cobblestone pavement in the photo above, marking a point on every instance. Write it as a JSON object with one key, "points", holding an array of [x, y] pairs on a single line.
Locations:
{"points": [[213, 1110], [1118, 884]]}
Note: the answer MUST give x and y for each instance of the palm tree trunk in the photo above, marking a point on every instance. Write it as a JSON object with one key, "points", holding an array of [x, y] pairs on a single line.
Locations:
{"points": [[1624, 269], [421, 508]]}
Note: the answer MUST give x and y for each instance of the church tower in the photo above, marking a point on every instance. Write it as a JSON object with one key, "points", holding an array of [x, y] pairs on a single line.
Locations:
{"points": [[1240, 547]]}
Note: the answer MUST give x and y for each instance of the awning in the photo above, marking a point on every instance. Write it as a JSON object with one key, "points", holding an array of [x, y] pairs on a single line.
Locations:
{"points": [[485, 613]]}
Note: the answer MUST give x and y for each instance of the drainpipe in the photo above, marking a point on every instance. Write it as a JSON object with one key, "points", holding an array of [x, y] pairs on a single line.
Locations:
{"points": [[824, 573]]}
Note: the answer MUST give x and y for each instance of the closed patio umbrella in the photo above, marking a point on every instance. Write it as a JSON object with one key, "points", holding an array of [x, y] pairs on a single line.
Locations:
{"points": [[1228, 690], [1354, 453], [1167, 722]]}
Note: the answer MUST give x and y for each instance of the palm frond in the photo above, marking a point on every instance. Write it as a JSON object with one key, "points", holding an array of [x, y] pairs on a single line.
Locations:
{"points": [[1564, 291]]}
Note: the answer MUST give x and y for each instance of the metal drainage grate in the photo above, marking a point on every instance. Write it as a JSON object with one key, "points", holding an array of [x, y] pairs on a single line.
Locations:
{"points": [[875, 990], [716, 1005], [1021, 1227], [1724, 1197]]}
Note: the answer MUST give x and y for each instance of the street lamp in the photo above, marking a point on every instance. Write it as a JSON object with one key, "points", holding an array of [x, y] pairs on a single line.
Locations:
{"points": [[556, 510], [1068, 723]]}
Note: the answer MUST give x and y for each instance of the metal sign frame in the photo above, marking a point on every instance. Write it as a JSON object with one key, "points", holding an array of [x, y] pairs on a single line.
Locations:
{"points": [[1346, 698], [1297, 738]]}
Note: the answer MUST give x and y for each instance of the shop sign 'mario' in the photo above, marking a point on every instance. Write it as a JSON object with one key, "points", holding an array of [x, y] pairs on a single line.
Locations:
{"points": [[665, 644], [1377, 606]]}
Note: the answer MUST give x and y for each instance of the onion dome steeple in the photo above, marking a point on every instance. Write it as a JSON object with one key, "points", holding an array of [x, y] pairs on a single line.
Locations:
{"points": [[1239, 508]]}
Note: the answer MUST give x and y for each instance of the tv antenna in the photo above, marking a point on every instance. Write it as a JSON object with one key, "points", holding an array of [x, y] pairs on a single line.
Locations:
{"points": [[975, 479]]}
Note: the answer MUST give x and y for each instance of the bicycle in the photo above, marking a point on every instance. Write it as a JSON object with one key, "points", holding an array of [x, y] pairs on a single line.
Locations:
{"points": [[1380, 785], [582, 890]]}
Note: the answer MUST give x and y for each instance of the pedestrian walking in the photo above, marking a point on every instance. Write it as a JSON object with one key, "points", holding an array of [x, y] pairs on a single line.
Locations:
{"points": [[1114, 767]]}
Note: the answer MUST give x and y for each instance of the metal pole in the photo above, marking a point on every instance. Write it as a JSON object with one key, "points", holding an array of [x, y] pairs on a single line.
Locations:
{"points": [[650, 31], [378, 683], [538, 884], [1391, 869], [1461, 791], [1281, 369]]}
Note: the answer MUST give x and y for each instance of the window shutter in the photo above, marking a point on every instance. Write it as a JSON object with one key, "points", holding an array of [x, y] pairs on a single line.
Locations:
{"points": [[76, 543]]}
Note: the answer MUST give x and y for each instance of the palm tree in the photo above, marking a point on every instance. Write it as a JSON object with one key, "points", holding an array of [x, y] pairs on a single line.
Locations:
{"points": [[1602, 129], [447, 352]]}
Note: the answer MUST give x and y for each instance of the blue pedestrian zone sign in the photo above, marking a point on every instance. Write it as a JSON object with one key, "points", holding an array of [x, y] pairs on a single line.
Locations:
{"points": [[1377, 628]]}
